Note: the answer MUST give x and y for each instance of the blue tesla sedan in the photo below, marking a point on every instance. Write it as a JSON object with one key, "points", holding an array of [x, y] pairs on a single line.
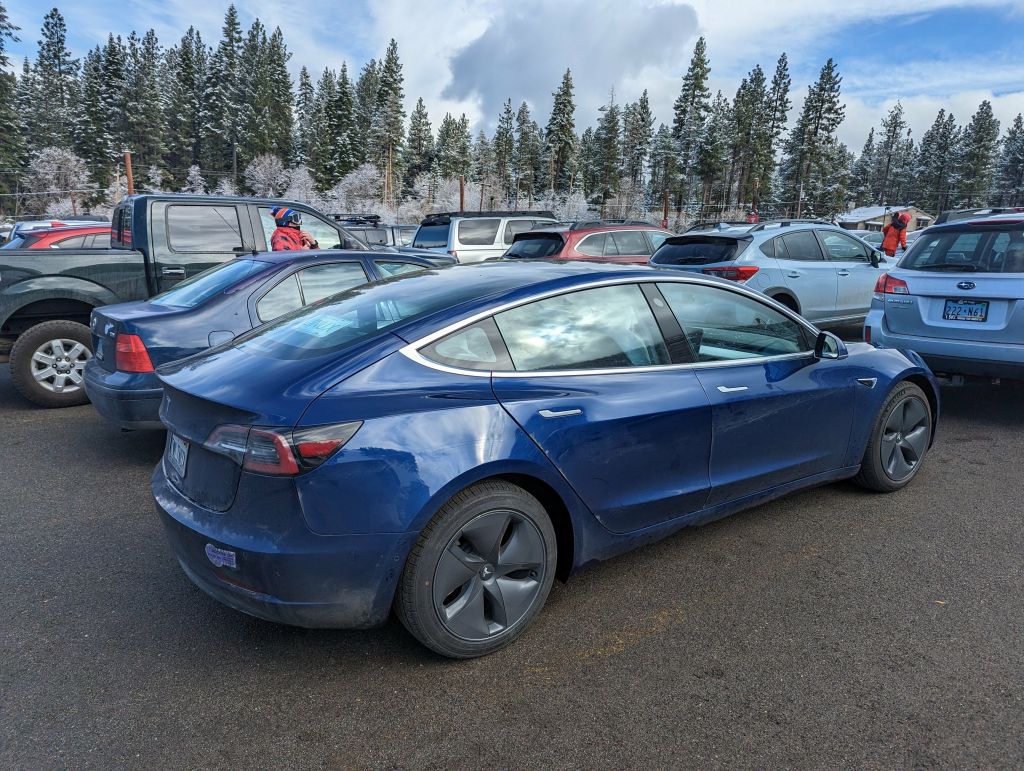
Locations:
{"points": [[447, 443], [130, 339]]}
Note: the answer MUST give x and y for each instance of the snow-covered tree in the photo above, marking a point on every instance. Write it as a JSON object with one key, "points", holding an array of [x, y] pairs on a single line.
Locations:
{"points": [[419, 145], [56, 75], [691, 111], [560, 137], [365, 106], [1010, 174], [265, 176], [976, 159], [223, 99], [359, 191], [302, 187], [12, 144], [154, 179], [935, 172], [224, 187], [55, 174], [194, 182]]}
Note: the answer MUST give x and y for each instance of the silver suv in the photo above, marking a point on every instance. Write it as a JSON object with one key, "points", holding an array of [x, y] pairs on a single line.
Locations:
{"points": [[475, 237], [819, 270]]}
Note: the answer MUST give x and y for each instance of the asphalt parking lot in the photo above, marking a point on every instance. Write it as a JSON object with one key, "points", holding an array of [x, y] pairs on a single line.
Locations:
{"points": [[832, 628]]}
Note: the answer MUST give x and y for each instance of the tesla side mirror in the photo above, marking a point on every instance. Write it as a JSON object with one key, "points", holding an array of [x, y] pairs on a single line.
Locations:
{"points": [[829, 346], [874, 258]]}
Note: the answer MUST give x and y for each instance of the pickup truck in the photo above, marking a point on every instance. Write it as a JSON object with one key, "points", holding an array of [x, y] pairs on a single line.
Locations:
{"points": [[156, 241]]}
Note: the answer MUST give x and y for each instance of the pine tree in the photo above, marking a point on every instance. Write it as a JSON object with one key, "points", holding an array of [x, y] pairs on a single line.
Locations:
{"points": [[607, 153], [452, 153], [185, 86], [222, 100], [344, 121], [750, 136], [281, 112], [811, 150], [504, 150], [323, 147], [388, 126], [977, 156], [56, 73], [115, 90], [560, 137], [93, 142], [935, 173], [691, 110], [419, 145], [144, 116], [637, 132], [1010, 174], [778, 108], [525, 158], [194, 182], [304, 130], [664, 163], [366, 90], [26, 99], [12, 146], [862, 174], [713, 150], [890, 147], [586, 156]]}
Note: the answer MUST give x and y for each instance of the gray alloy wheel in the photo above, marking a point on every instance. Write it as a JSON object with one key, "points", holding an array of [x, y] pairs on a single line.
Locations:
{"points": [[489, 575], [47, 363], [479, 572], [905, 438], [899, 441], [57, 365]]}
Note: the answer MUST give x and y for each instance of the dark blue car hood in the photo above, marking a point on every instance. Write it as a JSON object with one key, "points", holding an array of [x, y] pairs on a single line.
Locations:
{"points": [[263, 390]]}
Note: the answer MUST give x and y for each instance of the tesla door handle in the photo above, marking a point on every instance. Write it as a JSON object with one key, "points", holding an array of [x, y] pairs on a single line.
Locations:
{"points": [[173, 272], [731, 389], [843, 272], [560, 413], [793, 274]]}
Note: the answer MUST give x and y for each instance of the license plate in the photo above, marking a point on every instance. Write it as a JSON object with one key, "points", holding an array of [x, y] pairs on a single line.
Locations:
{"points": [[177, 454], [965, 310]]}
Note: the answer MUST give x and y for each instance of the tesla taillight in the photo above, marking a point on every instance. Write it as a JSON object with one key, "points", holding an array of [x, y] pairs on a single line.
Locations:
{"points": [[739, 273], [280, 451], [131, 354]]}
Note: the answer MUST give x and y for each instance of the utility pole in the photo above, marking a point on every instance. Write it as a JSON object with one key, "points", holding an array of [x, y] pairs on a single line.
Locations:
{"points": [[128, 172], [462, 194], [800, 199]]}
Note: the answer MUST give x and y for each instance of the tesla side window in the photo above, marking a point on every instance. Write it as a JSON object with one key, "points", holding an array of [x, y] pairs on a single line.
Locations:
{"points": [[477, 347], [606, 327], [723, 326]]}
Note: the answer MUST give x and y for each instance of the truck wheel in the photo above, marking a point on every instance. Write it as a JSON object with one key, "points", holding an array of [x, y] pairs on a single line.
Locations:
{"points": [[47, 363]]}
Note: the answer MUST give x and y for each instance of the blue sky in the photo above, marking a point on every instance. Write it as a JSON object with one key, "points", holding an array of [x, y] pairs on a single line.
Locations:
{"points": [[468, 56]]}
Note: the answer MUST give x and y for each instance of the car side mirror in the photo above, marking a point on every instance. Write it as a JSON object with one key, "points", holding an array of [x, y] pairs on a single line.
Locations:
{"points": [[829, 346], [874, 258]]}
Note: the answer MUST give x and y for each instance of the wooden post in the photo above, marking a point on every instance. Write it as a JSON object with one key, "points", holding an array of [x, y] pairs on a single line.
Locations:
{"points": [[462, 194], [664, 209], [128, 172], [481, 196], [74, 207]]}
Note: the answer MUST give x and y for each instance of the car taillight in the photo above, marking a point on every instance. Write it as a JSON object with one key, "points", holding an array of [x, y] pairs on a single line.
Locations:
{"points": [[131, 354], [886, 284], [280, 451], [739, 273]]}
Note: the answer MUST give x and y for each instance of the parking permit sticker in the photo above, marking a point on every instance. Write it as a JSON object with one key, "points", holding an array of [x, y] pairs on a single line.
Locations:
{"points": [[222, 558], [322, 326]]}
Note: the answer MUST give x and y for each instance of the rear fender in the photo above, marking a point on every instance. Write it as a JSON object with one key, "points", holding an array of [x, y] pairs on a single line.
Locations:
{"points": [[40, 288]]}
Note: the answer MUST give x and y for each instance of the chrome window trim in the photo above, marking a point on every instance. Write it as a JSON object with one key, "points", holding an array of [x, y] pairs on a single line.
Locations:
{"points": [[412, 350]]}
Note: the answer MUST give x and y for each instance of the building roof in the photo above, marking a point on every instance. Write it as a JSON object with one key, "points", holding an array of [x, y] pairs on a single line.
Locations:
{"points": [[865, 213]]}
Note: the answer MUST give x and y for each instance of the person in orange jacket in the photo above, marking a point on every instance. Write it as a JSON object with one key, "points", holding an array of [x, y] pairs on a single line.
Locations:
{"points": [[288, 235], [895, 233]]}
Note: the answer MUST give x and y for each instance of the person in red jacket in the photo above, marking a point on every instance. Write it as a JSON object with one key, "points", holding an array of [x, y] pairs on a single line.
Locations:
{"points": [[288, 236], [895, 233]]}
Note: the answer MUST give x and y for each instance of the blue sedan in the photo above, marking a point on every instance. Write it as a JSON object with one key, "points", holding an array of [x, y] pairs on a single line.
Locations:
{"points": [[447, 443], [131, 339]]}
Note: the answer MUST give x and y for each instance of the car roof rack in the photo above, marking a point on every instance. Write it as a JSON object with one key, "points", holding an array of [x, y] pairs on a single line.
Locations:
{"points": [[443, 218], [581, 224], [951, 215], [358, 219], [708, 224], [786, 223]]}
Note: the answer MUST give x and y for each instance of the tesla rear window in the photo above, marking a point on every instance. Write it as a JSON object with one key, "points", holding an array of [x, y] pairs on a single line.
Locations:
{"points": [[535, 245], [202, 286], [431, 237], [357, 315], [697, 250]]}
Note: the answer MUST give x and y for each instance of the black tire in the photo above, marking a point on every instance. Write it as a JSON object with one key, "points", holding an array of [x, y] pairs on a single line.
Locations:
{"points": [[470, 517], [61, 392], [892, 458]]}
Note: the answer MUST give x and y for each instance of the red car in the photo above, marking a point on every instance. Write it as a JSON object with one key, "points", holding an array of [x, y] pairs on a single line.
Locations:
{"points": [[63, 237], [631, 242]]}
